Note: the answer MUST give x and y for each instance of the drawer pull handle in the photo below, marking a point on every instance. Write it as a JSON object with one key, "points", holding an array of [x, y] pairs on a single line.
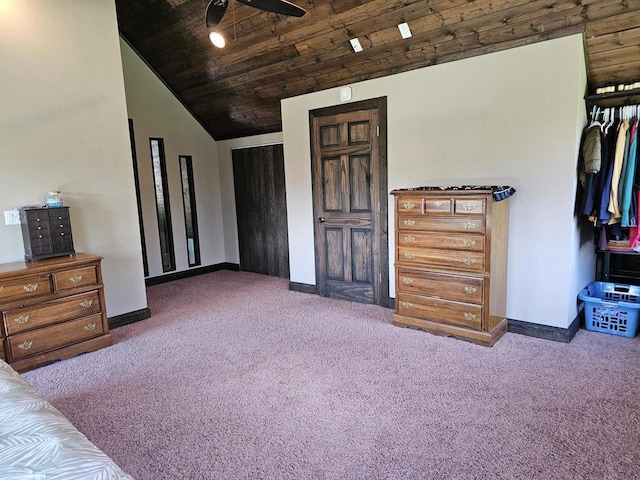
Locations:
{"points": [[76, 278], [469, 243], [31, 287], [91, 327], [22, 319], [469, 206], [469, 225], [409, 256], [469, 316], [26, 345], [409, 238], [407, 281], [437, 204], [470, 290], [468, 261], [86, 303], [408, 206], [409, 223], [407, 305]]}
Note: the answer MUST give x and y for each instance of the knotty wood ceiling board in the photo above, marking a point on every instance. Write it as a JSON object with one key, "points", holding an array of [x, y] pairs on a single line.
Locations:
{"points": [[236, 91]]}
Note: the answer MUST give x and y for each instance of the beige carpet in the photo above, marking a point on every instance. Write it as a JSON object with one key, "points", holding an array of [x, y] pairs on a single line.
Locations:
{"points": [[235, 377]]}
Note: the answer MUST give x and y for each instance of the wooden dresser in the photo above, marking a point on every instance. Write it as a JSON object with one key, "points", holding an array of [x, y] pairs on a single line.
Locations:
{"points": [[52, 309], [451, 263]]}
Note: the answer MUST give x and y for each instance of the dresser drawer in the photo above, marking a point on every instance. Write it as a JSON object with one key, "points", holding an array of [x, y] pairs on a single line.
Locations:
{"points": [[26, 318], [55, 336], [25, 288], [420, 240], [74, 278], [448, 287], [470, 206], [442, 311], [424, 205], [459, 223], [456, 260]]}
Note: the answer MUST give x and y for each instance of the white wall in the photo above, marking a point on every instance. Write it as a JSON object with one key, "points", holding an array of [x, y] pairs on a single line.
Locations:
{"points": [[227, 187], [63, 126], [583, 263], [156, 112], [510, 117]]}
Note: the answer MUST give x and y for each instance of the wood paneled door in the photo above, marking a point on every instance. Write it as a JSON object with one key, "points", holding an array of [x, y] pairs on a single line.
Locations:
{"points": [[261, 209], [348, 157]]}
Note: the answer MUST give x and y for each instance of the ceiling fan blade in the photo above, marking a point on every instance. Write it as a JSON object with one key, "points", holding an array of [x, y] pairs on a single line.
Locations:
{"points": [[215, 11], [276, 6]]}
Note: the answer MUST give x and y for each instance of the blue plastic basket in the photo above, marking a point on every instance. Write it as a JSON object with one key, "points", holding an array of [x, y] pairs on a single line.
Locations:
{"points": [[611, 308]]}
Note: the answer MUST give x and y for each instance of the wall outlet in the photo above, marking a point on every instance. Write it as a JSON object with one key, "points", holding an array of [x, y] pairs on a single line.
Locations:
{"points": [[11, 217]]}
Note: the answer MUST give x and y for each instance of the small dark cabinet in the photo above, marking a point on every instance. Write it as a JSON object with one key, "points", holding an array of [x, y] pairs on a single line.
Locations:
{"points": [[618, 267], [46, 232]]}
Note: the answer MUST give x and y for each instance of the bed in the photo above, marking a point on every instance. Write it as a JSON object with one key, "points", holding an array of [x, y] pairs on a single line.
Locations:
{"points": [[37, 442]]}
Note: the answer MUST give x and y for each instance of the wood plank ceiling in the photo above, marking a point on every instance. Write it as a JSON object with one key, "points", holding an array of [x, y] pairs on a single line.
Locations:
{"points": [[236, 91]]}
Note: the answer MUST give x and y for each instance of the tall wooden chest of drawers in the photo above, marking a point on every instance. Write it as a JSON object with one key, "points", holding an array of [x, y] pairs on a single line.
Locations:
{"points": [[52, 309], [451, 262]]}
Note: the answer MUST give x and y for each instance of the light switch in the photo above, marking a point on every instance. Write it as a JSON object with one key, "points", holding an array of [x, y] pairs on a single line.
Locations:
{"points": [[11, 217]]}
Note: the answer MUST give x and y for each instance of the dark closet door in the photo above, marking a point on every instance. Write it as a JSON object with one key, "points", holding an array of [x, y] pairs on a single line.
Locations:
{"points": [[261, 210]]}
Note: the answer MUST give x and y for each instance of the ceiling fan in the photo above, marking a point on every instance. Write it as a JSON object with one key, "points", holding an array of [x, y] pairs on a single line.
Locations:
{"points": [[216, 9]]}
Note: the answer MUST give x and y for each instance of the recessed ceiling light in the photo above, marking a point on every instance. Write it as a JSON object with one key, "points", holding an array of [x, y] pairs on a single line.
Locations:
{"points": [[405, 31], [217, 39], [355, 44]]}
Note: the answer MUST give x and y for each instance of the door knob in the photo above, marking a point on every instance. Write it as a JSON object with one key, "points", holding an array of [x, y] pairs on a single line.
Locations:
{"points": [[321, 220]]}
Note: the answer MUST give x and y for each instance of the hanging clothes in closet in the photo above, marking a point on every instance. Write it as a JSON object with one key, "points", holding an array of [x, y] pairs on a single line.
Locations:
{"points": [[610, 177]]}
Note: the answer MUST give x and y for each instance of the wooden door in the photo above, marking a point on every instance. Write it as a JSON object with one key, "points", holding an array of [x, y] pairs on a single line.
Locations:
{"points": [[261, 210], [348, 155]]}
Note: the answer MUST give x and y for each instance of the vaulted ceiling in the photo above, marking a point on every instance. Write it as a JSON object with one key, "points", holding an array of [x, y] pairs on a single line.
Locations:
{"points": [[236, 91]]}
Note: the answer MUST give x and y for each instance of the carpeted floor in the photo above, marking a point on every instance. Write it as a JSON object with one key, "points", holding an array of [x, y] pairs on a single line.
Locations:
{"points": [[235, 377]]}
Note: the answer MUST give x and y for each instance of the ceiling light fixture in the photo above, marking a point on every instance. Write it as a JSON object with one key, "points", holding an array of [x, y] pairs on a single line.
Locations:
{"points": [[217, 39], [355, 44], [405, 31]]}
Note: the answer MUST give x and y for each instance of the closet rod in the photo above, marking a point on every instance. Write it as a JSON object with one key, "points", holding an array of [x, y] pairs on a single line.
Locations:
{"points": [[624, 111]]}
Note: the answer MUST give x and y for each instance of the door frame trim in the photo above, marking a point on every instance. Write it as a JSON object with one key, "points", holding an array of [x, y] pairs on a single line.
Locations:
{"points": [[382, 288]]}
